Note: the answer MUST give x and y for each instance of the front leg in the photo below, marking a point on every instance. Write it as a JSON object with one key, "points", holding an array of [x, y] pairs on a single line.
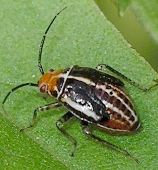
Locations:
{"points": [[60, 125], [87, 131], [41, 109]]}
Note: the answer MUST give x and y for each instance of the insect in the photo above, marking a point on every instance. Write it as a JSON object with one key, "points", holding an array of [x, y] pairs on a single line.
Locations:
{"points": [[94, 97]]}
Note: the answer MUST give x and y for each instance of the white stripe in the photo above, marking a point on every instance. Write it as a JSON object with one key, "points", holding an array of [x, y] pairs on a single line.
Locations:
{"points": [[81, 108], [82, 79], [115, 108], [65, 78]]}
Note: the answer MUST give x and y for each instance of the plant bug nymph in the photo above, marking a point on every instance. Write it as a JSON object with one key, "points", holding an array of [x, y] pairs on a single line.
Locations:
{"points": [[94, 97]]}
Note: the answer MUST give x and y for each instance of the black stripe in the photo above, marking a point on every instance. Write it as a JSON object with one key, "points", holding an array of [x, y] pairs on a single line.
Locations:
{"points": [[94, 75]]}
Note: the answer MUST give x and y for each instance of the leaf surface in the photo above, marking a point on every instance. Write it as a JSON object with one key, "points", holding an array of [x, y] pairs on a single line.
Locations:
{"points": [[81, 35]]}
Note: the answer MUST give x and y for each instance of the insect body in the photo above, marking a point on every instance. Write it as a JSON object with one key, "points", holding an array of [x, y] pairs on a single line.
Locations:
{"points": [[94, 97]]}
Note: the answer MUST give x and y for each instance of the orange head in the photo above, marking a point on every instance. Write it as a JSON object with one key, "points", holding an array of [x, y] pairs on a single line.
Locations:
{"points": [[49, 81]]}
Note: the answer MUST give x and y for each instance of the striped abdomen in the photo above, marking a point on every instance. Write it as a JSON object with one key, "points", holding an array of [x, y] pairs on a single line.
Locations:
{"points": [[123, 118]]}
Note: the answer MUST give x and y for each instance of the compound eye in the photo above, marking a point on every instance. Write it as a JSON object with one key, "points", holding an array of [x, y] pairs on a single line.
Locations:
{"points": [[43, 88]]}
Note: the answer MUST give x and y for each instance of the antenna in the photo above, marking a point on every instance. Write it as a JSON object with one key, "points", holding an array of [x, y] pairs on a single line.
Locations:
{"points": [[43, 41], [15, 88]]}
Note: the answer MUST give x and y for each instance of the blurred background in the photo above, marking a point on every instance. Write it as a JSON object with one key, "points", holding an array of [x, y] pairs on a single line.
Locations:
{"points": [[138, 23]]}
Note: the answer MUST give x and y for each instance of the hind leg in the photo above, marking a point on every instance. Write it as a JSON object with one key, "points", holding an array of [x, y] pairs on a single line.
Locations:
{"points": [[87, 131], [103, 67]]}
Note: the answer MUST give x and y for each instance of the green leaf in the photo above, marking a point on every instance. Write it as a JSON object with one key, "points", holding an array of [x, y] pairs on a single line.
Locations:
{"points": [[136, 24], [123, 5], [147, 14], [20, 152], [80, 35]]}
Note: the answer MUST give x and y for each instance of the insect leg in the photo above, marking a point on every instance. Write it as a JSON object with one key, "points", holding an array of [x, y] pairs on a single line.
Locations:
{"points": [[60, 125], [87, 131], [41, 109], [103, 67]]}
